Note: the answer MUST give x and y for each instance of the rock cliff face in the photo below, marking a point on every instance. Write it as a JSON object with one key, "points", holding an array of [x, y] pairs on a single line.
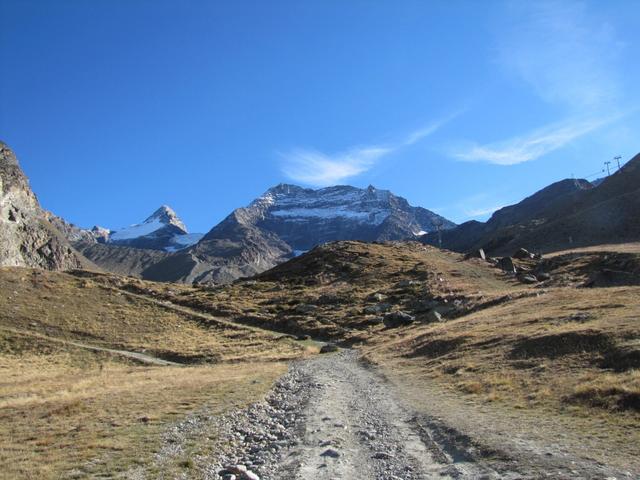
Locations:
{"points": [[27, 236]]}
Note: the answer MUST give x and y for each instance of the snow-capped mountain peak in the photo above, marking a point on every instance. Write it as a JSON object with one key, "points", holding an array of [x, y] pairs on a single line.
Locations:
{"points": [[167, 216], [162, 230], [304, 217]]}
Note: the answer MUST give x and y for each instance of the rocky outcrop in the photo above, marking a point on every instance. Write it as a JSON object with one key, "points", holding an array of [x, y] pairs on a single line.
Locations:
{"points": [[100, 234], [28, 237], [71, 232]]}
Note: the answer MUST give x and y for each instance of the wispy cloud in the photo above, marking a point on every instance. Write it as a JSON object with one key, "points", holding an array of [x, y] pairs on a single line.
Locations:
{"points": [[567, 56], [417, 135], [563, 51], [313, 167], [531, 145], [479, 205], [481, 212], [476, 206], [316, 168]]}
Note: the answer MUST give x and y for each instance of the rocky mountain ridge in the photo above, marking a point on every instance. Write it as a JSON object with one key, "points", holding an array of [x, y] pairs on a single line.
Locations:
{"points": [[28, 236], [305, 217], [569, 213], [280, 224], [288, 220]]}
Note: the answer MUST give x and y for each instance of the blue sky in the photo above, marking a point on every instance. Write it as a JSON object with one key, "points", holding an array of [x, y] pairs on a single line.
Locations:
{"points": [[116, 107]]}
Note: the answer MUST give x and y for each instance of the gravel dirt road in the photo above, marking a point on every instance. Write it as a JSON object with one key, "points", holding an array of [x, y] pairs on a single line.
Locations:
{"points": [[335, 417]]}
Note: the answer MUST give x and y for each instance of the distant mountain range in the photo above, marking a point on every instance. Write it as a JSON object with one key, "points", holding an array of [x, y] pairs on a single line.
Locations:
{"points": [[569, 213], [288, 220], [282, 223], [285, 221]]}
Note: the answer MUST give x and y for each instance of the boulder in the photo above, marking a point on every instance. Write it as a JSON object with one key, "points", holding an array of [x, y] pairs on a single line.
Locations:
{"points": [[423, 305], [376, 297], [238, 471], [407, 283], [305, 308], [506, 264], [543, 276], [528, 278], [374, 309], [329, 348], [433, 316], [523, 253], [382, 456], [330, 299], [330, 452], [397, 319], [476, 254]]}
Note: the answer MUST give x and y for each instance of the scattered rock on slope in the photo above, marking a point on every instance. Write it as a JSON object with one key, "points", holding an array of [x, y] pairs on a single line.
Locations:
{"points": [[397, 319]]}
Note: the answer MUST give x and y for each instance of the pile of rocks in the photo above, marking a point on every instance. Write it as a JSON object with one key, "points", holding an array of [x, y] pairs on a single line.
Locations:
{"points": [[256, 437], [527, 269]]}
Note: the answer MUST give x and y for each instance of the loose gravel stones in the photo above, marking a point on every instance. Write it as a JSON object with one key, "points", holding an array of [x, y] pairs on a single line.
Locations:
{"points": [[327, 418]]}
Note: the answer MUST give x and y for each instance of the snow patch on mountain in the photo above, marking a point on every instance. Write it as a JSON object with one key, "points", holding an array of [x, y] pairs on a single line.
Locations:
{"points": [[374, 217], [138, 230], [162, 230], [292, 203], [188, 238]]}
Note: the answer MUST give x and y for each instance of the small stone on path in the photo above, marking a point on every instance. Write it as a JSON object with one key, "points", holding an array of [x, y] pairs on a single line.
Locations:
{"points": [[330, 452]]}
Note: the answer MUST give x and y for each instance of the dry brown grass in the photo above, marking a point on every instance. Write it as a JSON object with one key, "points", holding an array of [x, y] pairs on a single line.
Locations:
{"points": [[611, 391], [74, 414], [66, 307], [539, 343], [68, 412], [338, 280], [536, 364], [552, 353], [633, 247]]}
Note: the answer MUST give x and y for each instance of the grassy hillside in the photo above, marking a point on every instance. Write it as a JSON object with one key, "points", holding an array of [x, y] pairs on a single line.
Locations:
{"points": [[562, 351], [326, 292], [568, 346], [570, 340], [69, 410]]}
